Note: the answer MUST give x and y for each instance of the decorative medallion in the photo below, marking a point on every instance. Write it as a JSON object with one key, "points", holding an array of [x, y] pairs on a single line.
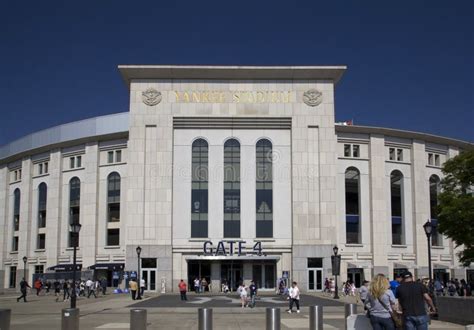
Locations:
{"points": [[312, 97], [151, 97]]}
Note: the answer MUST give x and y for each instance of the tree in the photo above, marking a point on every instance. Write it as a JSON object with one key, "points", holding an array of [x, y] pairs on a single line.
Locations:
{"points": [[456, 204]]}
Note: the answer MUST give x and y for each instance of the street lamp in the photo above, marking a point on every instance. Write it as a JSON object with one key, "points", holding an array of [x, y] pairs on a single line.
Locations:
{"points": [[428, 227], [139, 250], [24, 267], [336, 268], [75, 229]]}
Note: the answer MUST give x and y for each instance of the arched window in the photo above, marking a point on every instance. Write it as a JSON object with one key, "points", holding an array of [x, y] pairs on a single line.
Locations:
{"points": [[42, 197], [74, 205], [232, 188], [352, 188], [199, 189], [113, 197], [16, 209], [436, 238], [396, 187], [264, 193]]}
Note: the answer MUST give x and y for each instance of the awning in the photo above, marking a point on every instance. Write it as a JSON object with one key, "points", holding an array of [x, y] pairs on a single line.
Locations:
{"points": [[65, 267], [109, 266]]}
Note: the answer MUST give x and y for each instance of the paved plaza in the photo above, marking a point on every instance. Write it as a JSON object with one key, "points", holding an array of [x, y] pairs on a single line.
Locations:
{"points": [[168, 312]]}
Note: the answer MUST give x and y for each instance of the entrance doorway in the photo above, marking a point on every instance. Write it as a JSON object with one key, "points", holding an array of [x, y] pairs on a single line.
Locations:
{"points": [[199, 270], [315, 279], [148, 273], [356, 276], [232, 274], [264, 275]]}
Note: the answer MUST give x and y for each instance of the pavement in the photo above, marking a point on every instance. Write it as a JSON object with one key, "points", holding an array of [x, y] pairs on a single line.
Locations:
{"points": [[168, 312]]}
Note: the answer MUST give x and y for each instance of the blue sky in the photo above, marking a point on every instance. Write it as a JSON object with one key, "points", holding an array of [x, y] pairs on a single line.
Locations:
{"points": [[410, 63]]}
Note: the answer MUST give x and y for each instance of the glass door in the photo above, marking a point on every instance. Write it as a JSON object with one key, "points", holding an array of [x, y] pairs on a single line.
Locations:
{"points": [[315, 279], [149, 275]]}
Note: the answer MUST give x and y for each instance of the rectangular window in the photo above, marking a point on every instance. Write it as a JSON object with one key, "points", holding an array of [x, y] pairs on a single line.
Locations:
{"points": [[114, 212], [15, 244], [19, 174], [39, 269], [397, 230], [110, 157], [347, 150], [72, 162], [315, 262], [437, 161], [40, 168], [42, 219], [41, 244], [113, 237], [45, 167], [148, 262], [12, 282], [79, 161], [118, 156], [430, 159], [400, 155], [391, 153], [16, 222], [355, 151]]}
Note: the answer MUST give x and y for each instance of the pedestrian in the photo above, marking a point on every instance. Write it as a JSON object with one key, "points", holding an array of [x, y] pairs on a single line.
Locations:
{"points": [[23, 287], [48, 287], [38, 285], [203, 284], [82, 288], [294, 298], [439, 288], [253, 293], [242, 291], [66, 294], [57, 288], [395, 283], [380, 303], [463, 288], [90, 288], [332, 286], [411, 298], [196, 285], [142, 286], [133, 287], [103, 284], [327, 289], [182, 290], [363, 291]]}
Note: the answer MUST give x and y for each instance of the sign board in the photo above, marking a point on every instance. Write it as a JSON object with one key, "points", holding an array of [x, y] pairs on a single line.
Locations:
{"points": [[225, 248], [286, 274], [336, 265]]}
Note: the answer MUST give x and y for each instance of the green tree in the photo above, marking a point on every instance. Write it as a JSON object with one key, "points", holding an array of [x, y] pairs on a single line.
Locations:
{"points": [[456, 204]]}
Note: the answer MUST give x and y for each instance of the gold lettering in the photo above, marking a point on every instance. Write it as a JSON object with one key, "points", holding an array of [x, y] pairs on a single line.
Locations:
{"points": [[186, 97], [222, 97], [236, 97], [204, 97], [275, 97], [177, 96], [286, 97], [260, 97], [196, 97]]}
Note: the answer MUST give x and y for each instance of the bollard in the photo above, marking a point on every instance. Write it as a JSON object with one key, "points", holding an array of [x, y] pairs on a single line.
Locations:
{"points": [[138, 319], [316, 317], [5, 316], [205, 318], [70, 319], [349, 309], [273, 318]]}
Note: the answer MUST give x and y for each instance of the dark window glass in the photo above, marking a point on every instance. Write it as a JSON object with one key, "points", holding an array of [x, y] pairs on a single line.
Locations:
{"points": [[39, 269], [42, 196], [396, 200], [12, 283], [110, 157], [15, 243], [74, 205], [347, 150], [41, 244], [113, 237], [148, 262], [16, 209], [118, 156], [264, 193], [232, 188], [79, 161], [434, 188], [352, 184], [355, 150], [199, 190], [315, 262], [113, 197]]}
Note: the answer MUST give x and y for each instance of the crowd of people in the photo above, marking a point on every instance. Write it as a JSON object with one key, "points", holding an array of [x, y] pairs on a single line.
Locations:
{"points": [[64, 288]]}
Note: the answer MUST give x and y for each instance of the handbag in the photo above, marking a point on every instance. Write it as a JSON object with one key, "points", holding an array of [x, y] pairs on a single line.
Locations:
{"points": [[396, 317]]}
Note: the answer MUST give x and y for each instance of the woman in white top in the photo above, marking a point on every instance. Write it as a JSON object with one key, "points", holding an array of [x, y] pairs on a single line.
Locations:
{"points": [[242, 290]]}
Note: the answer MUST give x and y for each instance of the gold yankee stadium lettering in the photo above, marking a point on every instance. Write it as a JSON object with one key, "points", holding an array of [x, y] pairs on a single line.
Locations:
{"points": [[232, 97]]}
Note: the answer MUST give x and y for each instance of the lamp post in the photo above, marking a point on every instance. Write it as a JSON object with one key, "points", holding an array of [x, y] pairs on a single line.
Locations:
{"points": [[139, 250], [75, 229], [336, 268], [25, 259], [428, 227]]}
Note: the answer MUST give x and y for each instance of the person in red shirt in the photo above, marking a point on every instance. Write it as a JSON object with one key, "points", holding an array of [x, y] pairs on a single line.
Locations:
{"points": [[182, 290], [38, 285]]}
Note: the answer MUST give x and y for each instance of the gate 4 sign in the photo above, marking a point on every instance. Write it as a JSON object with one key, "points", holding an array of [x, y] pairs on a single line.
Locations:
{"points": [[225, 248]]}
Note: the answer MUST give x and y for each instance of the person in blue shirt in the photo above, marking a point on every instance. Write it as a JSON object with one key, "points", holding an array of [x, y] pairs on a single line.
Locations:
{"points": [[395, 284]]}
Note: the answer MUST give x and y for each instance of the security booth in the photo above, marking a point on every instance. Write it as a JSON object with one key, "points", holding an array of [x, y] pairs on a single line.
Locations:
{"points": [[112, 272]]}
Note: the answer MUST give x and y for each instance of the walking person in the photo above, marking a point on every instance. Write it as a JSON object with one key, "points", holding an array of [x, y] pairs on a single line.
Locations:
{"points": [[133, 288], [380, 303], [103, 284], [38, 285], [182, 290], [48, 287], [82, 289], [66, 294], [242, 290], [294, 298], [57, 288], [253, 293], [363, 291], [196, 285], [23, 287], [411, 298], [90, 288], [142, 286]]}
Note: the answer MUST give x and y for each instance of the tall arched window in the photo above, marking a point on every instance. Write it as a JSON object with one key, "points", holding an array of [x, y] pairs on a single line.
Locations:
{"points": [[199, 189], [113, 197], [352, 186], [16, 209], [232, 188], [42, 197], [434, 189], [264, 193], [396, 186], [74, 205]]}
